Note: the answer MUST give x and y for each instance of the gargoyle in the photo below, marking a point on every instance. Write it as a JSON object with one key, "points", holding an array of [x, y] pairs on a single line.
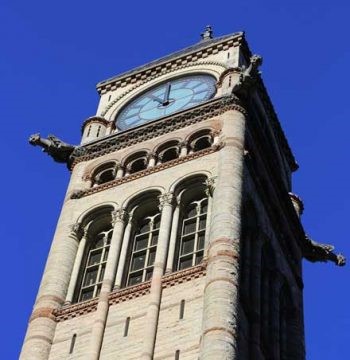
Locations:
{"points": [[53, 146], [322, 252], [248, 75]]}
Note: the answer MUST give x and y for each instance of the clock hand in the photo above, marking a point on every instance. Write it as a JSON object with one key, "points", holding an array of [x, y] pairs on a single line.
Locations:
{"points": [[166, 94], [155, 98]]}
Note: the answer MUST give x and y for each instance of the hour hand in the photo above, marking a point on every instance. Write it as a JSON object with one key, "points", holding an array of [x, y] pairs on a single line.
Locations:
{"points": [[166, 94], [155, 98]]}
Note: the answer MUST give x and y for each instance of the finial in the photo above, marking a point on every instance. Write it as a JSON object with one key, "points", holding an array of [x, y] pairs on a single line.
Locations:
{"points": [[208, 33]]}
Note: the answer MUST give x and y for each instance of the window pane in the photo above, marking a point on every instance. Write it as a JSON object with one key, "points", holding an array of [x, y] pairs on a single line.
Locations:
{"points": [[87, 294], [185, 263], [156, 224], [141, 242], [102, 273], [200, 243], [138, 261], [105, 255], [99, 241], [144, 227], [187, 245], [199, 257], [95, 257], [154, 239], [98, 290], [204, 207], [202, 222], [192, 211], [189, 226], [151, 257], [109, 237], [149, 274], [90, 277], [135, 278]]}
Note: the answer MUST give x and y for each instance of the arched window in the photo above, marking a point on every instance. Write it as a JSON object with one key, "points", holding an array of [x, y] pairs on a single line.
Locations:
{"points": [[201, 140], [136, 162], [192, 234], [143, 250], [104, 173], [168, 151], [95, 263]]}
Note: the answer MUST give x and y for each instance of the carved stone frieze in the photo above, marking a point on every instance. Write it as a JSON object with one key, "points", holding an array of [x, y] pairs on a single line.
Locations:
{"points": [[149, 131], [151, 170], [129, 293]]}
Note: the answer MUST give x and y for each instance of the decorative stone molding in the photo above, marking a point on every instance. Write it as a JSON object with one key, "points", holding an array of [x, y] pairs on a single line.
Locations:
{"points": [[165, 199], [76, 230], [129, 293], [149, 171], [149, 131], [185, 275], [210, 186], [119, 215], [75, 310]]}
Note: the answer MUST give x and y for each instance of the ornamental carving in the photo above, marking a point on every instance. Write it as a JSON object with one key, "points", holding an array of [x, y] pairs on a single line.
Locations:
{"points": [[165, 199], [119, 215], [210, 186], [168, 124], [76, 230]]}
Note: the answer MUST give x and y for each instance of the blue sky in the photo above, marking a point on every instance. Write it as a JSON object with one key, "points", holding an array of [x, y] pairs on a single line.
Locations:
{"points": [[53, 54]]}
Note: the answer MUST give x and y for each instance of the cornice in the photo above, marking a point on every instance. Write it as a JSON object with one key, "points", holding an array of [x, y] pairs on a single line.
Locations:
{"points": [[150, 78], [82, 193], [161, 66], [156, 128], [132, 292]]}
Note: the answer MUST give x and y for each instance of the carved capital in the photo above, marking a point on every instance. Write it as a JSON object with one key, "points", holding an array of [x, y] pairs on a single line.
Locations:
{"points": [[210, 186], [165, 199], [119, 215], [76, 230]]}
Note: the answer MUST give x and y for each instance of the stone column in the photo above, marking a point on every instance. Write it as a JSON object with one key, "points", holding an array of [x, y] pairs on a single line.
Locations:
{"points": [[183, 148], [76, 267], [151, 160], [120, 172], [166, 208], [221, 301], [123, 253], [52, 291], [209, 191], [173, 237], [100, 316]]}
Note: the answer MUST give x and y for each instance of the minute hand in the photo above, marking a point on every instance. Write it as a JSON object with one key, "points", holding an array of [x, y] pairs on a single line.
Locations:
{"points": [[166, 94]]}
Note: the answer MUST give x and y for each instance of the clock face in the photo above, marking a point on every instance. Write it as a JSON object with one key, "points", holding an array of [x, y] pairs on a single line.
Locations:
{"points": [[165, 99]]}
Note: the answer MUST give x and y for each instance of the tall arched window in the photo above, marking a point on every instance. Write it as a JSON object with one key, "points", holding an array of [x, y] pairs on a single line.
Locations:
{"points": [[95, 263], [192, 235], [143, 251]]}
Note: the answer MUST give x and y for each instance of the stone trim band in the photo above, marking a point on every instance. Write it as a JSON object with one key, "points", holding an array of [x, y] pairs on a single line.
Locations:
{"points": [[132, 292]]}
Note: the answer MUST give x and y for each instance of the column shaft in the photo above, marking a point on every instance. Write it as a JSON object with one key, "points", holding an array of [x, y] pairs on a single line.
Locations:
{"points": [[122, 257], [156, 284], [220, 312], [75, 271], [172, 242], [101, 313]]}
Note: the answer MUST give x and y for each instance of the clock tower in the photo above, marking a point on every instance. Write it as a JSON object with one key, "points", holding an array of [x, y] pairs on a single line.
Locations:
{"points": [[179, 237]]}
